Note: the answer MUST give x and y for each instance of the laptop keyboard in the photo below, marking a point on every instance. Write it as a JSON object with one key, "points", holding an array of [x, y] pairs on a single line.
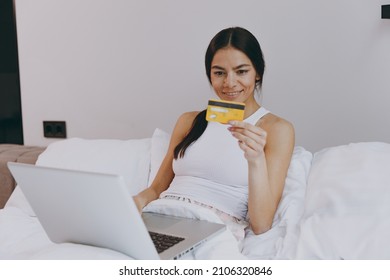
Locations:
{"points": [[162, 241]]}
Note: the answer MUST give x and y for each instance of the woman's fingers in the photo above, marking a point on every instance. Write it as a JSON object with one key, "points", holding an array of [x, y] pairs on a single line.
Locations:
{"points": [[251, 139], [248, 134]]}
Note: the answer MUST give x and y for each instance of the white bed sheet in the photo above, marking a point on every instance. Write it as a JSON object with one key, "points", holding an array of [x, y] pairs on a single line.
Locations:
{"points": [[347, 204], [22, 237]]}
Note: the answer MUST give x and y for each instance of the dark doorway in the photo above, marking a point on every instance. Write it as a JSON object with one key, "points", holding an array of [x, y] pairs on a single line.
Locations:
{"points": [[11, 129]]}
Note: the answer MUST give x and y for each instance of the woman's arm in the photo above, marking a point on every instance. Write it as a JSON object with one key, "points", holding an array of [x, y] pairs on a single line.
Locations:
{"points": [[268, 150], [165, 173]]}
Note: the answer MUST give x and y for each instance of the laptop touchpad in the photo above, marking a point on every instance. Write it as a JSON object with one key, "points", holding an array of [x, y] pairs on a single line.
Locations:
{"points": [[156, 221]]}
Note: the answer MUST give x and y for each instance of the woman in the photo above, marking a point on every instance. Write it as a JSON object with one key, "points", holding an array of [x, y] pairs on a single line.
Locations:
{"points": [[237, 170]]}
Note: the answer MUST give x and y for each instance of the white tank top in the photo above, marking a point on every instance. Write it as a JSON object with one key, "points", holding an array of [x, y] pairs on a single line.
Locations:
{"points": [[214, 170]]}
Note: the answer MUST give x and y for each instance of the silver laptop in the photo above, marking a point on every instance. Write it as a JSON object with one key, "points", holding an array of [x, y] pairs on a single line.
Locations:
{"points": [[98, 209]]}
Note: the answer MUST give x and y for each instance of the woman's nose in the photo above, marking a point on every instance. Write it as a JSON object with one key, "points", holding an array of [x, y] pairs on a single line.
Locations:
{"points": [[230, 80]]}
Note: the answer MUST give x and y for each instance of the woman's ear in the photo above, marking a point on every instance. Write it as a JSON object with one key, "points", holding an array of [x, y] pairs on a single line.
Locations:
{"points": [[258, 81]]}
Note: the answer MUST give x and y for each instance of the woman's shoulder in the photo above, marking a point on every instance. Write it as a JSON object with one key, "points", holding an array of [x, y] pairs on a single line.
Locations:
{"points": [[185, 121], [275, 124], [280, 133], [187, 118]]}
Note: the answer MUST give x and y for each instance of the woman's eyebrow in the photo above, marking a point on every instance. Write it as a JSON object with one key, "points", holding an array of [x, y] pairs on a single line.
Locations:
{"points": [[235, 68], [217, 67], [241, 66]]}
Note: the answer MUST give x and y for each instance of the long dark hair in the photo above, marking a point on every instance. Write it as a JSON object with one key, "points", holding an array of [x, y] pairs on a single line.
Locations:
{"points": [[240, 39], [198, 127]]}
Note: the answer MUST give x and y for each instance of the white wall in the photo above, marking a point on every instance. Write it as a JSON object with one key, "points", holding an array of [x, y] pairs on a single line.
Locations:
{"points": [[120, 68]]}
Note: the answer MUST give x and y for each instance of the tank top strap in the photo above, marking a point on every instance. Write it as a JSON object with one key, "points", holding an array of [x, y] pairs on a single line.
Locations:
{"points": [[261, 112]]}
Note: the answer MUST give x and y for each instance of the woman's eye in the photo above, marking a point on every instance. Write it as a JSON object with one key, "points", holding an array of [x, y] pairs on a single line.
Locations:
{"points": [[218, 73], [242, 72]]}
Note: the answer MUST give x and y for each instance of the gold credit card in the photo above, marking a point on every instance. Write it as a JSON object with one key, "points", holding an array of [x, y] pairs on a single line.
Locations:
{"points": [[224, 111]]}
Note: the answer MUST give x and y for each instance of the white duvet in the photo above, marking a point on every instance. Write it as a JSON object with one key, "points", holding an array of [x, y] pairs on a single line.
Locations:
{"points": [[347, 204], [334, 206], [22, 237]]}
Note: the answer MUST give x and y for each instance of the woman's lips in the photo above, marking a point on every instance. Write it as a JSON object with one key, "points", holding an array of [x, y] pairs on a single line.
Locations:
{"points": [[232, 93]]}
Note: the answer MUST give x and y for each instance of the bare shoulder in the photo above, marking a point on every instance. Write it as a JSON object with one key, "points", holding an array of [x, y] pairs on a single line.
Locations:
{"points": [[186, 119], [278, 130], [188, 116], [184, 123], [271, 122]]}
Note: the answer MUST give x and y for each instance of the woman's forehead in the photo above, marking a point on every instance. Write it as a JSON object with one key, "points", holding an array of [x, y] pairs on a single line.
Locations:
{"points": [[232, 57]]}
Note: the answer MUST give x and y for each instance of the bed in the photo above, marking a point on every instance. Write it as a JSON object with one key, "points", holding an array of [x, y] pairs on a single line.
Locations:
{"points": [[335, 203], [14, 153]]}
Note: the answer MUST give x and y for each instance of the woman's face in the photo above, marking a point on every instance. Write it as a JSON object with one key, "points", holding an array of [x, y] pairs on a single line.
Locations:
{"points": [[233, 76]]}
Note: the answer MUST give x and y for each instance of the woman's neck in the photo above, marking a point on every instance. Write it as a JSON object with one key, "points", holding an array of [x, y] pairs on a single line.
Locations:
{"points": [[250, 108]]}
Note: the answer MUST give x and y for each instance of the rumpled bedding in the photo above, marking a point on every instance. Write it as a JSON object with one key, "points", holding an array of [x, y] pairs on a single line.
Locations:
{"points": [[22, 237], [347, 204], [334, 206]]}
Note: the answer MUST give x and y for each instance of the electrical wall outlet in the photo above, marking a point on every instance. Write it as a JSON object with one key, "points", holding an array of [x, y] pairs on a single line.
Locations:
{"points": [[54, 129]]}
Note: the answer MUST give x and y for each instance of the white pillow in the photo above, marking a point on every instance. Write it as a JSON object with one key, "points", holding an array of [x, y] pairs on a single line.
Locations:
{"points": [[129, 158], [347, 204], [160, 144]]}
